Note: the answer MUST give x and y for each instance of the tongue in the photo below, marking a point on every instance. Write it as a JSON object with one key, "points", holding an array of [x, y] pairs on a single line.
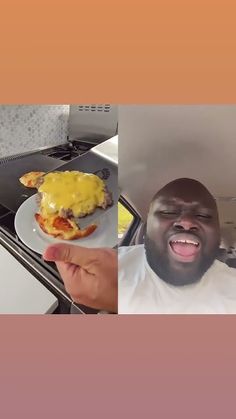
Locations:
{"points": [[184, 249]]}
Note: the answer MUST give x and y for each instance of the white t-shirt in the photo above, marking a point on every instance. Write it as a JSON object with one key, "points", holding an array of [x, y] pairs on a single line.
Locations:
{"points": [[141, 291]]}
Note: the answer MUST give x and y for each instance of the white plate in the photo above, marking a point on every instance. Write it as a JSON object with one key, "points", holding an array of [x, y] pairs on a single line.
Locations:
{"points": [[31, 234]]}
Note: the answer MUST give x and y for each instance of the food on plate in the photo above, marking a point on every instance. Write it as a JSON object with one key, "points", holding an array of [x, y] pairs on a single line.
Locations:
{"points": [[65, 197], [63, 228], [30, 179]]}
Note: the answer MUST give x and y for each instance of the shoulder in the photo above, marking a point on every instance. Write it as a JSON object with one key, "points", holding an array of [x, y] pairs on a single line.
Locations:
{"points": [[223, 282], [223, 275], [131, 269], [221, 267], [130, 252], [131, 259]]}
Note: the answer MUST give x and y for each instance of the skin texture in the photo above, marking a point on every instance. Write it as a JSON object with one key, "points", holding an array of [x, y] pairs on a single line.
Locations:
{"points": [[183, 206], [89, 275]]}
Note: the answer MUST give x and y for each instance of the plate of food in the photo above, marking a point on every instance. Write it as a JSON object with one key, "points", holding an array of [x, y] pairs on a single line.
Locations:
{"points": [[71, 206]]}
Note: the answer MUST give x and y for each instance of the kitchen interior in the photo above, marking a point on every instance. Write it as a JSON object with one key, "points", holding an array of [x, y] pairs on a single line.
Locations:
{"points": [[48, 138]]}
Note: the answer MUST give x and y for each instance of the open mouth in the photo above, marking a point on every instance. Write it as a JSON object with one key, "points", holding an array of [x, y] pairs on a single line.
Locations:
{"points": [[184, 247]]}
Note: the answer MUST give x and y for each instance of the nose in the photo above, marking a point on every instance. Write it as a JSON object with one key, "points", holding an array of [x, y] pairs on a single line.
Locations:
{"points": [[185, 223]]}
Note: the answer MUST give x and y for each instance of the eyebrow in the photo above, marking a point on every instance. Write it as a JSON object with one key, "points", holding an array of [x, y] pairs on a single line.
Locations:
{"points": [[166, 200], [178, 202]]}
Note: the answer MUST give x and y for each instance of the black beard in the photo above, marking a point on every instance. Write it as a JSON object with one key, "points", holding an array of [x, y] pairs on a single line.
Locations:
{"points": [[160, 264]]}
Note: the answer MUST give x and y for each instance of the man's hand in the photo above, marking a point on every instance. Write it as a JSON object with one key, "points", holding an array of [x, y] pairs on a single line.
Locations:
{"points": [[90, 275]]}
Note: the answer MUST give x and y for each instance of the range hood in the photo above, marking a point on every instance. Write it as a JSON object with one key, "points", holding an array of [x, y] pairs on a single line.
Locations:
{"points": [[94, 123]]}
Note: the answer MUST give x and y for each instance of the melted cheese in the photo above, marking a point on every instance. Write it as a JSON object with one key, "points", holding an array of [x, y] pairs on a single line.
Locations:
{"points": [[77, 191]]}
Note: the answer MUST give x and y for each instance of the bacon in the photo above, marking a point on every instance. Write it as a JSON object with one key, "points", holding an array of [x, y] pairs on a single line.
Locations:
{"points": [[85, 232], [61, 223], [63, 226]]}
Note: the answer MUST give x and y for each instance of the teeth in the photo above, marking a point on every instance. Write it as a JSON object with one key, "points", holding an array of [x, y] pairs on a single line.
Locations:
{"points": [[186, 241]]}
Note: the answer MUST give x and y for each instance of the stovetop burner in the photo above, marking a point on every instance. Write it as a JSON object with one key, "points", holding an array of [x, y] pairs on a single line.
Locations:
{"points": [[62, 155], [68, 151]]}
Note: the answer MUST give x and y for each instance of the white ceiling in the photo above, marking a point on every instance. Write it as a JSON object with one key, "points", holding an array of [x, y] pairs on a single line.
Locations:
{"points": [[160, 143]]}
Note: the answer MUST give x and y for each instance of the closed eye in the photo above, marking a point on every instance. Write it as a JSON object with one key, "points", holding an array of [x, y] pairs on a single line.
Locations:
{"points": [[204, 216], [166, 212]]}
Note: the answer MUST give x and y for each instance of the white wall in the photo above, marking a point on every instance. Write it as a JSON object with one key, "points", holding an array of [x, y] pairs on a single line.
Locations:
{"points": [[27, 127], [160, 143]]}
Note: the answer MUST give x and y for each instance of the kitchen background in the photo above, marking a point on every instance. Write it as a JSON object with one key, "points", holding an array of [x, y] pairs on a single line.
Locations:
{"points": [[42, 132], [28, 127]]}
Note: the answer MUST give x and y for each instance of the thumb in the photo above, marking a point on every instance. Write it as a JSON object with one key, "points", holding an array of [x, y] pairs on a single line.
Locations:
{"points": [[69, 253]]}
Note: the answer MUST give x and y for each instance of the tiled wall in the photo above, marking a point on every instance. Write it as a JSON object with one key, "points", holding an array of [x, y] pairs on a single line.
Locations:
{"points": [[27, 127]]}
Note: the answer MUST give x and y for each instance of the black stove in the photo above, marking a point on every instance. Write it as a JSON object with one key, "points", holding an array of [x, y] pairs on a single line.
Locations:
{"points": [[13, 194], [68, 151]]}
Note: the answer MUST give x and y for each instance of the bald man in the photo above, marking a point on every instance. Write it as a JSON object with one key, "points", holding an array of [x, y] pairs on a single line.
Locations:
{"points": [[176, 270]]}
